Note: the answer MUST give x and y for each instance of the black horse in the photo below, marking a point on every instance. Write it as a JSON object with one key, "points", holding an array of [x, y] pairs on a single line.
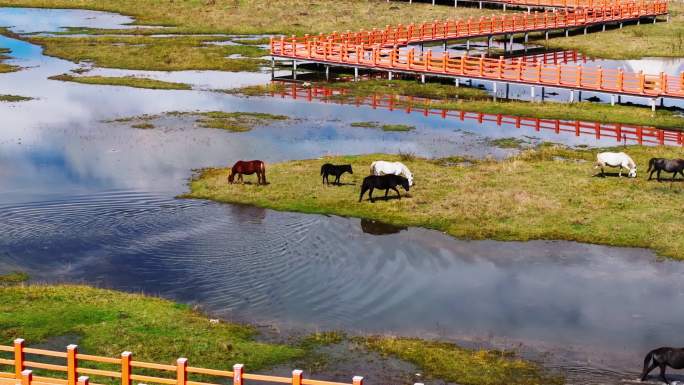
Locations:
{"points": [[662, 358], [668, 165], [336, 170], [383, 182]]}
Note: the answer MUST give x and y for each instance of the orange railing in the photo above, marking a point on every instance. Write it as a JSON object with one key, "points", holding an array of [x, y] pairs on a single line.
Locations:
{"points": [[557, 3], [486, 26], [78, 366], [620, 132]]}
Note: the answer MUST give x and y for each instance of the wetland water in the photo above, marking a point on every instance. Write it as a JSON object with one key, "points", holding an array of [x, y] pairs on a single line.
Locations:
{"points": [[86, 201]]}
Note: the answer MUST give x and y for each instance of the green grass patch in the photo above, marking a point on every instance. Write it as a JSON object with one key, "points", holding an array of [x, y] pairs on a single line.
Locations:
{"points": [[508, 142], [13, 278], [236, 121], [125, 81], [14, 98], [413, 88], [631, 42], [249, 17], [4, 55], [454, 364], [548, 192], [109, 322], [153, 53], [143, 126], [384, 127]]}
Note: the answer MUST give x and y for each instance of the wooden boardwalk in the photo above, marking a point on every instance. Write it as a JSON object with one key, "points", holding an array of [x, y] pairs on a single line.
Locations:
{"points": [[387, 50]]}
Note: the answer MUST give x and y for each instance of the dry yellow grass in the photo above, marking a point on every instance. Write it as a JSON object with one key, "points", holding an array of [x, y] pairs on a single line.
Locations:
{"points": [[545, 193]]}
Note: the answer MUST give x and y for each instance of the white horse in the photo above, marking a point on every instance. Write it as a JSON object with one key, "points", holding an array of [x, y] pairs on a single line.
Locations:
{"points": [[381, 167], [616, 159]]}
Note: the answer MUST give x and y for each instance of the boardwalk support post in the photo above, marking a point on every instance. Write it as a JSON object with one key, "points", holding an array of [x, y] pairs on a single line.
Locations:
{"points": [[294, 69], [612, 100], [494, 89], [327, 72], [457, 82], [389, 75], [26, 377], [356, 74], [653, 105], [603, 28], [422, 78], [572, 96], [71, 364], [18, 358], [546, 35], [237, 374], [532, 93]]}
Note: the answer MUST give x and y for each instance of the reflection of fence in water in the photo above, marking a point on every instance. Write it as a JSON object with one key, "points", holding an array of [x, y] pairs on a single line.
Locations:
{"points": [[620, 132]]}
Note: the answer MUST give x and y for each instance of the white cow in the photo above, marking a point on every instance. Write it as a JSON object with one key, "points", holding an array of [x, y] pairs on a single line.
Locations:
{"points": [[616, 159], [381, 167]]}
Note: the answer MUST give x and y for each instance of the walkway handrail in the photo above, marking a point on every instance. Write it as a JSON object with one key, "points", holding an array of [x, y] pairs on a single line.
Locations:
{"points": [[494, 25], [123, 369], [561, 3], [512, 71], [618, 131]]}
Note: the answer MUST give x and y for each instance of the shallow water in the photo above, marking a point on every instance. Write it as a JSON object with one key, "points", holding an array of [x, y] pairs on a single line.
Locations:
{"points": [[87, 201]]}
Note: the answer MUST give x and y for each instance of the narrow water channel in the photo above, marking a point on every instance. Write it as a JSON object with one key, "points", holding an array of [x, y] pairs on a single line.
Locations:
{"points": [[93, 202]]}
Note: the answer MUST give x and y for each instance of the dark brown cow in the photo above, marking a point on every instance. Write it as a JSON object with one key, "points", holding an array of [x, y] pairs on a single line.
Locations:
{"points": [[250, 167]]}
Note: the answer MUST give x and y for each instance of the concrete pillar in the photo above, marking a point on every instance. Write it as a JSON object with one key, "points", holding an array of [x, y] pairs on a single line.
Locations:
{"points": [[567, 32], [529, 9], [603, 28], [433, 2], [612, 100], [585, 30], [527, 36], [480, 5], [455, 3], [653, 105], [467, 45], [511, 43], [327, 73], [504, 7], [532, 96], [572, 96], [494, 89], [546, 35], [457, 82], [639, 21], [655, 19], [620, 25], [294, 69], [356, 74], [389, 75], [422, 78]]}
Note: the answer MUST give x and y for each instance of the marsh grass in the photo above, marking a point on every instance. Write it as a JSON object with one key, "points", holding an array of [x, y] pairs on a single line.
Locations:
{"points": [[508, 143], [13, 278], [548, 192], [14, 98], [126, 81], [4, 55], [631, 42], [143, 126], [153, 53], [454, 364], [236, 121], [384, 127], [107, 323], [250, 17]]}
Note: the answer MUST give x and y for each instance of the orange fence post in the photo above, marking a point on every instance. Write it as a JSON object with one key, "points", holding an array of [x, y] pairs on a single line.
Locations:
{"points": [[357, 380], [126, 368], [83, 380], [237, 374], [297, 377], [18, 357], [181, 371], [71, 364], [26, 377]]}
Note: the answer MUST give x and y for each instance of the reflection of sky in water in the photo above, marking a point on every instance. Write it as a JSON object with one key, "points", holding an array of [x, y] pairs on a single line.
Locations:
{"points": [[85, 201], [28, 20]]}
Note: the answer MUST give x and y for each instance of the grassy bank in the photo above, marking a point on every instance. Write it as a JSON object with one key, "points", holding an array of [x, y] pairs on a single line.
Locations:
{"points": [[544, 193], [631, 42], [454, 364], [153, 53], [127, 81], [384, 127], [476, 100], [107, 323], [259, 17]]}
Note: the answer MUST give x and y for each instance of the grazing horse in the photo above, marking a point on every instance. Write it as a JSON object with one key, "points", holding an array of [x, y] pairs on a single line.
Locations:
{"points": [[336, 170], [662, 358], [668, 165], [383, 182], [616, 159], [381, 167], [242, 167]]}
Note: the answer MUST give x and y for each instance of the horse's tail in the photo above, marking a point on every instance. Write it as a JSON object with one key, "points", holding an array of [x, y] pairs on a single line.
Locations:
{"points": [[651, 164], [322, 168], [647, 363]]}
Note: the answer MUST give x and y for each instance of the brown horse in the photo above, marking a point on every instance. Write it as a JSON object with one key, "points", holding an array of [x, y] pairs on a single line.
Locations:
{"points": [[242, 167]]}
